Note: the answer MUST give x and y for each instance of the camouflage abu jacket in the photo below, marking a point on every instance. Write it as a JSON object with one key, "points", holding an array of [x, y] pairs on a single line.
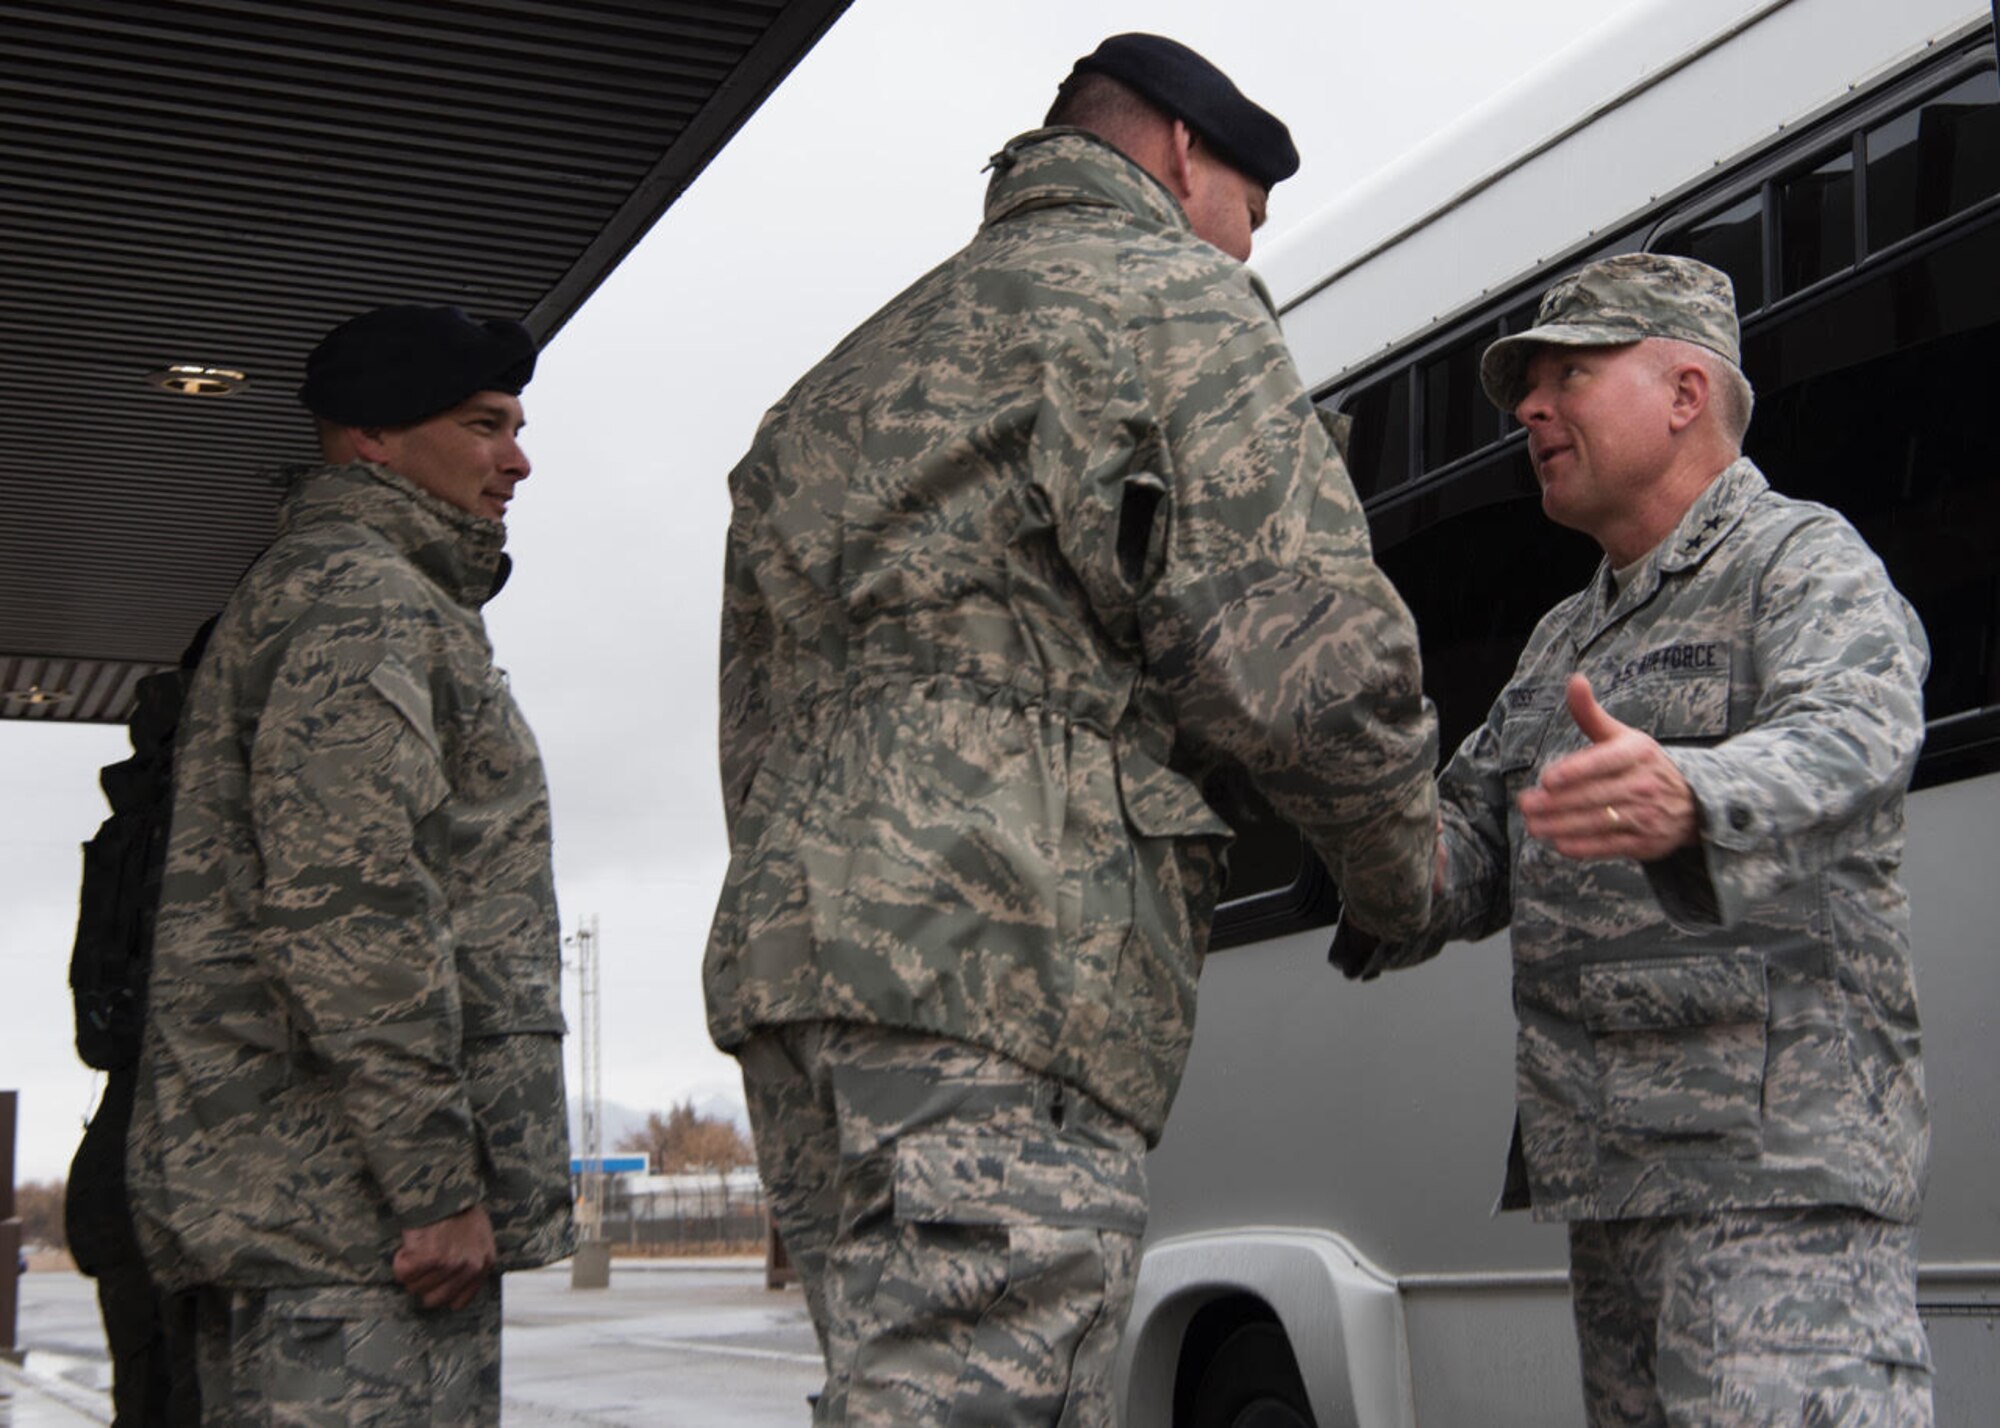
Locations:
{"points": [[353, 1023], [1060, 507], [1734, 1026]]}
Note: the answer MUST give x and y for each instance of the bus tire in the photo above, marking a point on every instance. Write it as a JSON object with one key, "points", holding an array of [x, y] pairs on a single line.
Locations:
{"points": [[1252, 1382]]}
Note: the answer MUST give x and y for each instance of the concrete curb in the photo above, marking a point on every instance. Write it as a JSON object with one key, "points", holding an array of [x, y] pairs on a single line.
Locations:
{"points": [[30, 1401], [644, 1265]]}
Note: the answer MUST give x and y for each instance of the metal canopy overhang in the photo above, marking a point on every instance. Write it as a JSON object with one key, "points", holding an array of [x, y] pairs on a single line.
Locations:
{"points": [[218, 182]]}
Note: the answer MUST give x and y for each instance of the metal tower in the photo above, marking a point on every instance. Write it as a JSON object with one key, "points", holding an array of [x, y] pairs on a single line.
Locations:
{"points": [[590, 1051]]}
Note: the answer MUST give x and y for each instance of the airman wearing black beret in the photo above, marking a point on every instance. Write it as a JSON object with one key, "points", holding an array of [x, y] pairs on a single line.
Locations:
{"points": [[431, 393], [372, 872], [1189, 88], [395, 366], [1180, 119]]}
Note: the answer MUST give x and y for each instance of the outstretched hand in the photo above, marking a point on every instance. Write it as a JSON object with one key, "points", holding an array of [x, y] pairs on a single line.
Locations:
{"points": [[445, 1264], [1620, 798]]}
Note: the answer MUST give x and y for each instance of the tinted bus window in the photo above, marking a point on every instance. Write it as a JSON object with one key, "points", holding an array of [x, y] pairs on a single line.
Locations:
{"points": [[1936, 160], [1816, 223], [1878, 402], [1478, 564], [1732, 240], [1378, 451], [1458, 419]]}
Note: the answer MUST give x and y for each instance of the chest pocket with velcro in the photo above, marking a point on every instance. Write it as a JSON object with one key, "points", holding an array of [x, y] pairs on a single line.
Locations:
{"points": [[1680, 1047], [1676, 704]]}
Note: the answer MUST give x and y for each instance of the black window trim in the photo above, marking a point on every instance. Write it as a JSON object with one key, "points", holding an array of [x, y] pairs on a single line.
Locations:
{"points": [[1812, 143]]}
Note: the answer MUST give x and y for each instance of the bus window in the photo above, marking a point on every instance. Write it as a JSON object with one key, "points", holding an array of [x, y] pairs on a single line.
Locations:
{"points": [[1522, 317], [1378, 453], [1816, 223], [1458, 419], [1478, 563], [1937, 159], [1732, 240], [1876, 402]]}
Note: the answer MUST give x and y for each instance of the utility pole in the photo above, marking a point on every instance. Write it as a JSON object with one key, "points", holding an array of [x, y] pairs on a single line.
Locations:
{"points": [[591, 1268], [590, 1218], [10, 1232]]}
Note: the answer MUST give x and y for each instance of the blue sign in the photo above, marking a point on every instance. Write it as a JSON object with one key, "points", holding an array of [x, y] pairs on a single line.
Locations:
{"points": [[609, 1164]]}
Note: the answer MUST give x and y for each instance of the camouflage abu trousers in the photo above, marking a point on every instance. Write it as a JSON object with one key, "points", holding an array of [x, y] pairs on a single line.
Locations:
{"points": [[967, 1231], [331, 1355], [1750, 1319]]}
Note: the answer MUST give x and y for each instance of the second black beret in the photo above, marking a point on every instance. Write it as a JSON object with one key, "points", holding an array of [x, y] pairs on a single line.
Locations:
{"points": [[1170, 75]]}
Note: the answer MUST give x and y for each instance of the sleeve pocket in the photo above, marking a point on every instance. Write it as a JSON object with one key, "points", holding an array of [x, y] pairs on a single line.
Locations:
{"points": [[395, 682], [965, 1178], [1680, 1050], [419, 763]]}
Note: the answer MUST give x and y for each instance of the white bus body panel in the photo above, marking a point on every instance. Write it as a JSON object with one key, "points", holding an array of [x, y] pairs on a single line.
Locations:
{"points": [[1678, 90]]}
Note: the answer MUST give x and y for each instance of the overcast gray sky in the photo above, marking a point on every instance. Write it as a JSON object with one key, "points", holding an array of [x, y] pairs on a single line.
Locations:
{"points": [[861, 172]]}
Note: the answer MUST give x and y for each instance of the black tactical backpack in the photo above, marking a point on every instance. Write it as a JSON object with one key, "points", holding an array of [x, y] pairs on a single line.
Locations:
{"points": [[122, 864], [121, 881]]}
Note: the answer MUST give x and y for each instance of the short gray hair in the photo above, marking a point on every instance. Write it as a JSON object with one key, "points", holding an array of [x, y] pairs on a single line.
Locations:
{"points": [[1733, 398], [1101, 105]]}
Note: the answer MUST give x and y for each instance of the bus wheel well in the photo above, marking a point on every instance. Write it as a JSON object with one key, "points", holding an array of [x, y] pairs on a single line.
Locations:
{"points": [[1236, 1353]]}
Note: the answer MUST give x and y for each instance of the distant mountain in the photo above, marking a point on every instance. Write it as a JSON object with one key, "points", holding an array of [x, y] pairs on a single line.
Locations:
{"points": [[619, 1122], [722, 1101]]}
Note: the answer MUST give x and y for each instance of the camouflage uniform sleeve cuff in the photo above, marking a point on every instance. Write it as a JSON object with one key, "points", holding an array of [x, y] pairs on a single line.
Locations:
{"points": [[1731, 817], [1710, 883], [460, 1199]]}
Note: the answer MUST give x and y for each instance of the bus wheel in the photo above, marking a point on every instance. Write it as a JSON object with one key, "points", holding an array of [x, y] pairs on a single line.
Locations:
{"points": [[1252, 1382]]}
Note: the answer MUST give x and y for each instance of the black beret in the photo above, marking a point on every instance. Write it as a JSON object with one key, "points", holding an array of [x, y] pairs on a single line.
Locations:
{"points": [[1251, 140], [397, 366]]}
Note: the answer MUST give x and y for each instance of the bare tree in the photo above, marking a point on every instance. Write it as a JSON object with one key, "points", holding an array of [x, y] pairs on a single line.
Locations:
{"points": [[39, 1203], [684, 1139]]}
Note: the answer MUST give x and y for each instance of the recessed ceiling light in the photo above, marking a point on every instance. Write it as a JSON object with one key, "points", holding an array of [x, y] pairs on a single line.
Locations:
{"points": [[35, 694], [191, 379]]}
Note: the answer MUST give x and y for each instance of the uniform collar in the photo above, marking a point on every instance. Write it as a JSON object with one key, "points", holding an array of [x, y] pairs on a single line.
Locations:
{"points": [[1713, 516], [455, 548], [1047, 168], [1701, 528]]}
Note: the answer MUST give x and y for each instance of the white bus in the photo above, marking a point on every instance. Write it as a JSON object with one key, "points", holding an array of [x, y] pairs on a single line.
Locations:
{"points": [[1323, 1248]]}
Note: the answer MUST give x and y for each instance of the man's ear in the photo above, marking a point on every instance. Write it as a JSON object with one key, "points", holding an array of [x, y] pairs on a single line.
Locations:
{"points": [[1180, 161], [1691, 395], [368, 443]]}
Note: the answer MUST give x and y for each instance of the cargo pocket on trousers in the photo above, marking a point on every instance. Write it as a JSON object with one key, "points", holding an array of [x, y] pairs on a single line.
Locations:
{"points": [[967, 1178], [1680, 1047], [1817, 1351], [303, 1365], [1064, 1218]]}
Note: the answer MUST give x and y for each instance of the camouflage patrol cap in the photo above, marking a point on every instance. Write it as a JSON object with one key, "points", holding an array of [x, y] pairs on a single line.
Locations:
{"points": [[395, 366], [1250, 139], [1613, 302]]}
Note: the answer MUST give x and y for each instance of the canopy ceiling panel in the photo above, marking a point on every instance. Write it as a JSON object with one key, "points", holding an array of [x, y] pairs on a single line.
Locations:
{"points": [[214, 183]]}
